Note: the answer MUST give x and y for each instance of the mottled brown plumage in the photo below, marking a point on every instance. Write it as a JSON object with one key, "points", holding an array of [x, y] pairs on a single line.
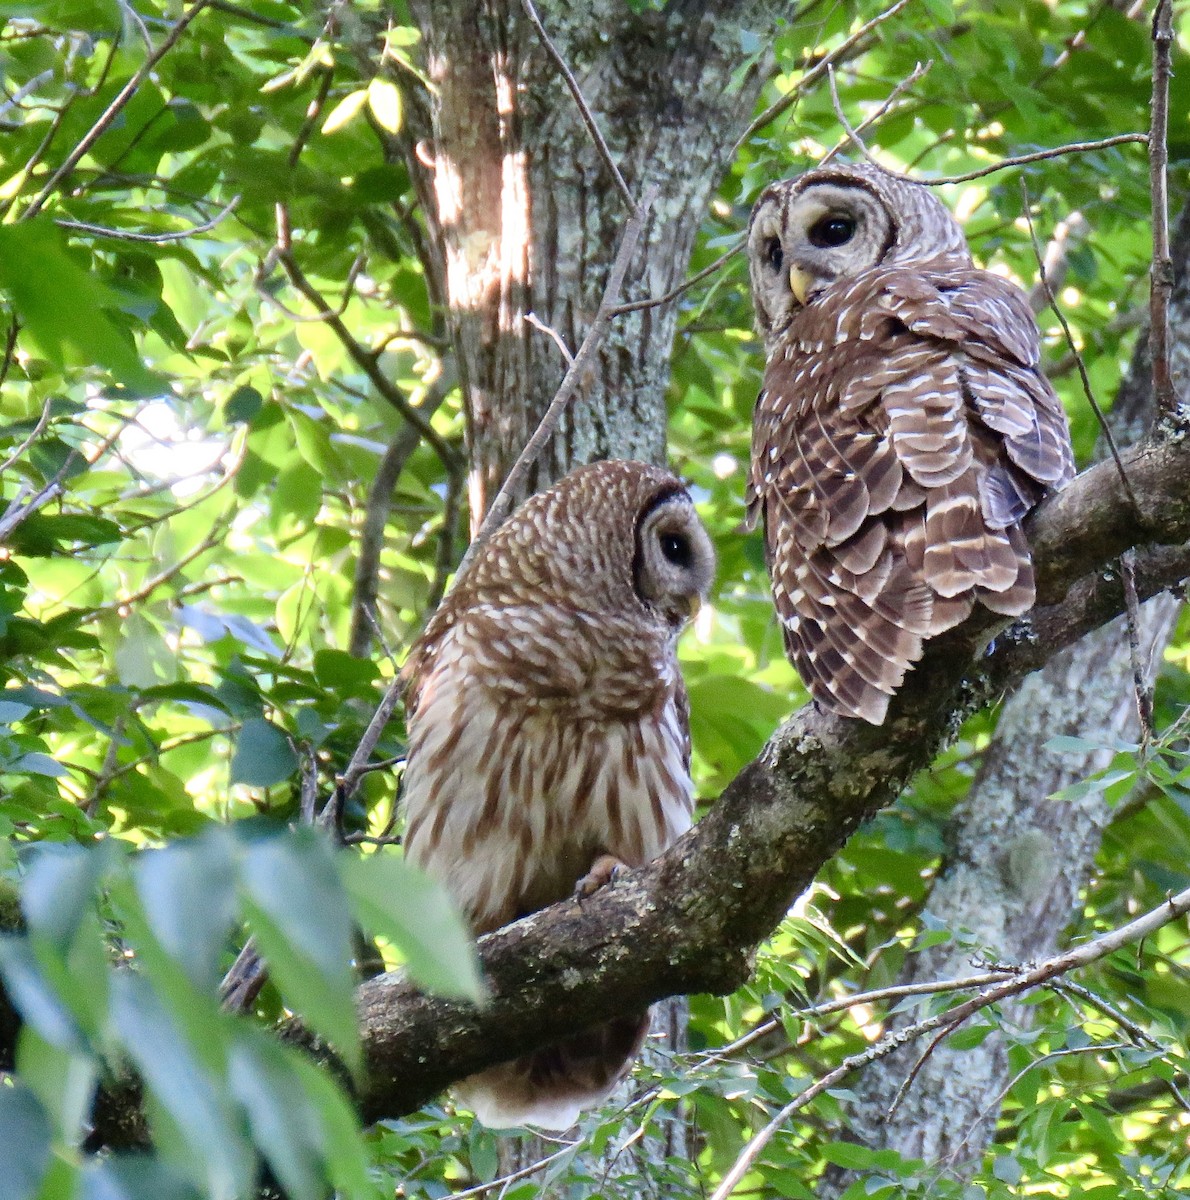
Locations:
{"points": [[904, 431], [548, 729]]}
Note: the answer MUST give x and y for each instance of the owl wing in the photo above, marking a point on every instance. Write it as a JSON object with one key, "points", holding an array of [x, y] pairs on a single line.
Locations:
{"points": [[893, 460]]}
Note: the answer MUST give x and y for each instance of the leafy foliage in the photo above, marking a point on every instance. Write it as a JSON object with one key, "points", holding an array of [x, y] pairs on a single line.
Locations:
{"points": [[196, 403]]}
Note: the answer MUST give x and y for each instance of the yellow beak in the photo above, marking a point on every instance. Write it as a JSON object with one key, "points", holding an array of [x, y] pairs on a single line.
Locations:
{"points": [[799, 284]]}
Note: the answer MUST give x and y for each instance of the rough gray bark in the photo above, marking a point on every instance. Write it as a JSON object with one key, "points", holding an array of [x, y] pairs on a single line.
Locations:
{"points": [[1018, 860], [529, 218]]}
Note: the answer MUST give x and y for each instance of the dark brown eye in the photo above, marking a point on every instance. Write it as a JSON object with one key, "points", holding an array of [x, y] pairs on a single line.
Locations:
{"points": [[676, 548], [831, 231], [773, 254]]}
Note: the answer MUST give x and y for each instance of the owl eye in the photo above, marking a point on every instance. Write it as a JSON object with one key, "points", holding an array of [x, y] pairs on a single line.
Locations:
{"points": [[676, 548], [832, 231], [773, 254]]}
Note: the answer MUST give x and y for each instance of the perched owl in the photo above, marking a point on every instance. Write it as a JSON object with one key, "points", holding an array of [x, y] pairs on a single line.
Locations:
{"points": [[548, 731], [904, 431]]}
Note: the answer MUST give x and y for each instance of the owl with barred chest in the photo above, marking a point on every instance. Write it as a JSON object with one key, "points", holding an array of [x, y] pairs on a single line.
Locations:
{"points": [[548, 734], [903, 432]]}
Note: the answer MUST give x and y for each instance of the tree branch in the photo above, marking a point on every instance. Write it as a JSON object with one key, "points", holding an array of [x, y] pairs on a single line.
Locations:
{"points": [[691, 920], [1162, 269]]}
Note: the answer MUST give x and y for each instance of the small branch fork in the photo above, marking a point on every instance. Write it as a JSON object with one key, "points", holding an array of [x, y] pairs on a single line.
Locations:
{"points": [[1164, 393], [812, 76], [1024, 980]]}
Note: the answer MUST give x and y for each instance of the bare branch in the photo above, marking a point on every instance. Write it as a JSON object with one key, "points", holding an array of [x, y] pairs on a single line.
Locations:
{"points": [[112, 111], [812, 76], [502, 505], [1164, 395], [1108, 436], [129, 235], [1144, 692], [376, 511], [550, 332], [1025, 981], [583, 108], [361, 356], [853, 134], [1022, 160], [38, 429], [681, 289]]}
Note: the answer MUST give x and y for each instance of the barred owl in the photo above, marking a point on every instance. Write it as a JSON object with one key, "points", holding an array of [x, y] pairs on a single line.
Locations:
{"points": [[548, 734], [903, 432]]}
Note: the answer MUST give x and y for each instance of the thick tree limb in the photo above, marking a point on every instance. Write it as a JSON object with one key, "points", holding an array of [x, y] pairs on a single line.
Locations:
{"points": [[690, 921]]}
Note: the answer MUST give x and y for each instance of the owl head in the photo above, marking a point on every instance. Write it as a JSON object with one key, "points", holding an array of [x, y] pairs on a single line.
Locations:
{"points": [[833, 223], [614, 538]]}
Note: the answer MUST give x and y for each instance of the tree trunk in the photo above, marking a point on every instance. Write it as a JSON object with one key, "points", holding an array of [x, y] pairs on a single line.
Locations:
{"points": [[529, 216], [1019, 860], [528, 219]]}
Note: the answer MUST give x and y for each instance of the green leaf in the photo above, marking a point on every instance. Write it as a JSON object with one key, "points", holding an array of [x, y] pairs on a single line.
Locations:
{"points": [[243, 404], [299, 913], [63, 1080], [415, 912], [59, 889], [25, 1133], [384, 99], [285, 1123], [263, 755], [62, 303], [345, 111], [336, 670], [136, 1177], [35, 998], [188, 894], [205, 1127]]}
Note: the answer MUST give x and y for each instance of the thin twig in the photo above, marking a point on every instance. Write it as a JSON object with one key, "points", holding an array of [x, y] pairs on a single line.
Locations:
{"points": [[10, 345], [1020, 160], [366, 362], [1108, 436], [812, 76], [359, 765], [1164, 395], [915, 1070], [895, 992], [38, 429], [550, 332], [112, 111], [1138, 1034], [852, 134], [502, 505], [1026, 980], [917, 73], [484, 1189], [583, 109], [444, 558], [1140, 683], [682, 288], [365, 586], [128, 235]]}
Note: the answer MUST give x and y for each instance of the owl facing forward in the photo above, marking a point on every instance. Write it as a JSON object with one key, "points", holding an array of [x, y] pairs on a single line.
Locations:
{"points": [[548, 734], [903, 432]]}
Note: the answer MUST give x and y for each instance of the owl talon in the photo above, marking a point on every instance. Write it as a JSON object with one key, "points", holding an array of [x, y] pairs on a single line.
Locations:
{"points": [[604, 870]]}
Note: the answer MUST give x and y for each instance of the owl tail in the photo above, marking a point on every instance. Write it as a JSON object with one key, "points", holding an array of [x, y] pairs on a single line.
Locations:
{"points": [[550, 1087]]}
